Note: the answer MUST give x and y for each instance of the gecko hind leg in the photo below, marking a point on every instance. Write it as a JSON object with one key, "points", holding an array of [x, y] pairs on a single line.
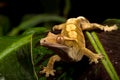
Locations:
{"points": [[49, 69]]}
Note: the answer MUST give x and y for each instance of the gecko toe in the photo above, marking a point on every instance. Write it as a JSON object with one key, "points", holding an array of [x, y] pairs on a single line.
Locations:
{"points": [[48, 71]]}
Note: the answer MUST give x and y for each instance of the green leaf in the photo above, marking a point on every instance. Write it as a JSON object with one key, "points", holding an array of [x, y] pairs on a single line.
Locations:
{"points": [[15, 57], [11, 68], [39, 30], [112, 22], [27, 17], [67, 7], [34, 21]]}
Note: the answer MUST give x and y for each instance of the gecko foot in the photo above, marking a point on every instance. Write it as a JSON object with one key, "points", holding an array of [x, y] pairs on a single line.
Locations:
{"points": [[114, 27], [48, 71], [95, 58]]}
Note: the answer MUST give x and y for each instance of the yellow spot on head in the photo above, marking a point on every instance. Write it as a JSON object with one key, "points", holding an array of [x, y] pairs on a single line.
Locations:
{"points": [[70, 27]]}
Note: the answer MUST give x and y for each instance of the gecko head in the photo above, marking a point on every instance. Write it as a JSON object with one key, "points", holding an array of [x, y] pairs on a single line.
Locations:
{"points": [[52, 40]]}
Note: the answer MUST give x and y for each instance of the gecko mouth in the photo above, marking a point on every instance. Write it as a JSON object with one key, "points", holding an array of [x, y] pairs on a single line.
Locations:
{"points": [[54, 45]]}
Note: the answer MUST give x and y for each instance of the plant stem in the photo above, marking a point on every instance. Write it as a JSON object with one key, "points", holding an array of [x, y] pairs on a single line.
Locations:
{"points": [[99, 49]]}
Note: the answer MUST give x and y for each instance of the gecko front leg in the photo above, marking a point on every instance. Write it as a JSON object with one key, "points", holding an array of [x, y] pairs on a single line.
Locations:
{"points": [[49, 69], [92, 26], [58, 27], [93, 56]]}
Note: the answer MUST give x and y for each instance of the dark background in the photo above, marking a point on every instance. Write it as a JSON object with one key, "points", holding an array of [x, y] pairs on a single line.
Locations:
{"points": [[95, 11]]}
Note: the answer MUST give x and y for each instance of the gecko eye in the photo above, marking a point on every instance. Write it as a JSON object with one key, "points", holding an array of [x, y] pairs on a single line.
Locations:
{"points": [[60, 39]]}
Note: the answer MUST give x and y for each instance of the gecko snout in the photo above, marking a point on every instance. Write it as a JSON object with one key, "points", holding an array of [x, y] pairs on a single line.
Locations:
{"points": [[42, 42]]}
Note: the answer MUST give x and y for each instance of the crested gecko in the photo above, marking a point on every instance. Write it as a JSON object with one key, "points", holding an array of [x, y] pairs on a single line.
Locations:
{"points": [[71, 40]]}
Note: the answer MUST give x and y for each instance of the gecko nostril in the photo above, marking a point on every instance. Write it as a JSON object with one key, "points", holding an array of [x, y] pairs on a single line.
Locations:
{"points": [[44, 40]]}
